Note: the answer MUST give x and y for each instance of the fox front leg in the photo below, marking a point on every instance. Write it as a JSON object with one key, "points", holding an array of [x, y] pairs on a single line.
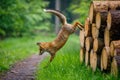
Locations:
{"points": [[51, 58]]}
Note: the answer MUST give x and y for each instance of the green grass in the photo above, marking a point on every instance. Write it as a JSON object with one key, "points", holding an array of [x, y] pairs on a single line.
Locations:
{"points": [[15, 49], [66, 65]]}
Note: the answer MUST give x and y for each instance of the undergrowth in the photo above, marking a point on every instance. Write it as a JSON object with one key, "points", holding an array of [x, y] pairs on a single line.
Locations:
{"points": [[66, 65], [13, 50]]}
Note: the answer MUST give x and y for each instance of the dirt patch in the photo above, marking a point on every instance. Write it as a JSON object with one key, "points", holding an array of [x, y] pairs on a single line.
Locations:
{"points": [[24, 70]]}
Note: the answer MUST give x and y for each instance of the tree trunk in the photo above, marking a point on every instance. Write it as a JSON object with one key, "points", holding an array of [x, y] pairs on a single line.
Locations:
{"points": [[95, 31], [57, 22], [88, 43], [114, 45], [87, 28], [102, 6], [82, 38]]}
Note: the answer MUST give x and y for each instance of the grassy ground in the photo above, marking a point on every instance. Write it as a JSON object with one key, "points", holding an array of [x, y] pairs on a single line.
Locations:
{"points": [[15, 49], [66, 66]]}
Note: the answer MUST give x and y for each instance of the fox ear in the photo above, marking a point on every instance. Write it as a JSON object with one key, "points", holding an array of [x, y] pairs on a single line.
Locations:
{"points": [[38, 43]]}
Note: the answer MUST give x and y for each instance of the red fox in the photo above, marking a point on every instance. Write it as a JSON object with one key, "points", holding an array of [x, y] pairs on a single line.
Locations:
{"points": [[66, 30]]}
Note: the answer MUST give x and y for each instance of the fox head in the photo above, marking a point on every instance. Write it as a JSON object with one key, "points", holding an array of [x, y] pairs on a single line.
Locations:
{"points": [[42, 47]]}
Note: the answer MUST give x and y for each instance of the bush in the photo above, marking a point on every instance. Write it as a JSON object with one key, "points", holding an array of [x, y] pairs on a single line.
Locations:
{"points": [[19, 16]]}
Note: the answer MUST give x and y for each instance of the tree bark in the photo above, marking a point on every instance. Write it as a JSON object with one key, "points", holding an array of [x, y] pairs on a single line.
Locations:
{"points": [[115, 66], [113, 19], [102, 6], [114, 46], [113, 24], [117, 51]]}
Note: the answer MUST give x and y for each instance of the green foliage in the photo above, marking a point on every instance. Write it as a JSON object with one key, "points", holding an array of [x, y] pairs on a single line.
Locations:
{"points": [[80, 9], [66, 65], [18, 16]]}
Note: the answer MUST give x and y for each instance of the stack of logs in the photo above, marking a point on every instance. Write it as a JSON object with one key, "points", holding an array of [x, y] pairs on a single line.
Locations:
{"points": [[100, 38]]}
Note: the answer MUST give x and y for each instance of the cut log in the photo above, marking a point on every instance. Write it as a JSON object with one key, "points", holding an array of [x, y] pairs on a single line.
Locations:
{"points": [[106, 37], [95, 31], [87, 58], [101, 64], [87, 27], [82, 54], [114, 45], [115, 66], [98, 20], [94, 62], [101, 18], [113, 19], [91, 58], [105, 58], [98, 44], [113, 24], [97, 6], [101, 31], [88, 43], [117, 51], [102, 6], [82, 38], [109, 20]]}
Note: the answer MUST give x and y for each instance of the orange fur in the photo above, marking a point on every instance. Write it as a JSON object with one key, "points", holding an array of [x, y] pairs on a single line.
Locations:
{"points": [[62, 37]]}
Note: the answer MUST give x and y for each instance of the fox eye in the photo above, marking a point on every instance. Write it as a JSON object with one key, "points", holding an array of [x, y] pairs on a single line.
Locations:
{"points": [[38, 43]]}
